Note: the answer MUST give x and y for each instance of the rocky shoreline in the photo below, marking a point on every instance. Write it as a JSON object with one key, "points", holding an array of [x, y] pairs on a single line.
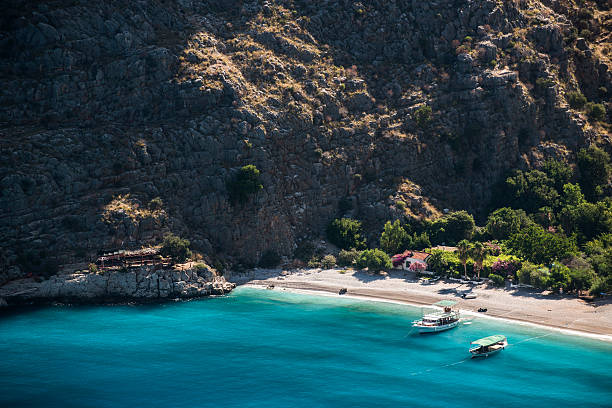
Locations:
{"points": [[141, 285]]}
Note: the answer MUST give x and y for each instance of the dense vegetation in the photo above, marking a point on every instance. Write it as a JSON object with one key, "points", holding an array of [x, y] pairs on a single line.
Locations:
{"points": [[176, 248], [245, 183], [550, 228]]}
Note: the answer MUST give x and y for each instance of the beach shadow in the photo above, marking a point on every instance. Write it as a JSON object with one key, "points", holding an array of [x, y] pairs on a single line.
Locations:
{"points": [[366, 277]]}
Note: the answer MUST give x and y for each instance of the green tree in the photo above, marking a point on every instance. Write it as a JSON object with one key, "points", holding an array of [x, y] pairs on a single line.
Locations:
{"points": [[478, 254], [587, 220], [246, 182], [394, 238], [572, 195], [452, 228], [594, 166], [328, 261], [420, 241], [464, 250], [176, 248], [581, 279], [600, 254], [560, 277], [559, 172], [506, 221], [540, 246], [374, 259], [422, 116], [596, 111], [576, 99], [346, 233], [525, 272], [530, 190]]}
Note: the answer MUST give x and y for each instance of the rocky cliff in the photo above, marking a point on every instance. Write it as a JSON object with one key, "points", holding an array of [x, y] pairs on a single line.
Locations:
{"points": [[396, 108], [139, 284]]}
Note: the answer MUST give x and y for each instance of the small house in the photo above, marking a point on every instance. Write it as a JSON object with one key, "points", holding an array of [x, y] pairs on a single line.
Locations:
{"points": [[408, 258]]}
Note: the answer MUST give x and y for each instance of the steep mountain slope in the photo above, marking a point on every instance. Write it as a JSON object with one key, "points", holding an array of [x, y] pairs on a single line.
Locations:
{"points": [[395, 108]]}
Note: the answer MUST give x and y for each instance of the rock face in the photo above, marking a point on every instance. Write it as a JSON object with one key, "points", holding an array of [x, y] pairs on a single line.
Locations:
{"points": [[138, 284], [108, 105]]}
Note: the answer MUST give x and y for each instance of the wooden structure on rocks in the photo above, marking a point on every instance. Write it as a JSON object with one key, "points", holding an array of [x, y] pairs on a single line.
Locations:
{"points": [[130, 259]]}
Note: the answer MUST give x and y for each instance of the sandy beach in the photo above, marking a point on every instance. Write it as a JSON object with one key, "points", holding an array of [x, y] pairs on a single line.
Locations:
{"points": [[523, 305]]}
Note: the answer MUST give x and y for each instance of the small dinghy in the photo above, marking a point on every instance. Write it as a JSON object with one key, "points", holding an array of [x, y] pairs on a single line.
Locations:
{"points": [[488, 345]]}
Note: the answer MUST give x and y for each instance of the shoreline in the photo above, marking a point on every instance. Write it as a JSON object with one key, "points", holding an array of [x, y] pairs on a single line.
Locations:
{"points": [[559, 329], [565, 315]]}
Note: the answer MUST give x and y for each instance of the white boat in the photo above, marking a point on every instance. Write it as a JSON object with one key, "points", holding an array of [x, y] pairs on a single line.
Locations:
{"points": [[438, 321], [488, 345]]}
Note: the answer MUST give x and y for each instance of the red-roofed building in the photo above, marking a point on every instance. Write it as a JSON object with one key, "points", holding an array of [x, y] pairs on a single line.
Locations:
{"points": [[404, 260]]}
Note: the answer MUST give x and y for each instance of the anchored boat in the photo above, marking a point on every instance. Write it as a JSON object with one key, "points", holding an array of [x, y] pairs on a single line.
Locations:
{"points": [[438, 321], [488, 345]]}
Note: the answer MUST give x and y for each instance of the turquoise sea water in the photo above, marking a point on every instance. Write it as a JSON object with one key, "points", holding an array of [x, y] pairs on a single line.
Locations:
{"points": [[257, 348]]}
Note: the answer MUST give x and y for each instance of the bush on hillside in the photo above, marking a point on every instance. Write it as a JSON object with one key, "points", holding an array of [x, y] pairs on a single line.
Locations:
{"points": [[246, 182], [346, 233], [576, 99], [176, 248], [596, 111]]}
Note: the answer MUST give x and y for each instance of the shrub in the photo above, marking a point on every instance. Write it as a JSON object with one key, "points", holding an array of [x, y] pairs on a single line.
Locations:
{"points": [[394, 238], [539, 246], [348, 257], [560, 277], [559, 172], [576, 100], [601, 285], [420, 241], [374, 259], [314, 262], [346, 233], [505, 221], [596, 111], [497, 279], [269, 259], [581, 279], [246, 182], [93, 268], [176, 248], [527, 270], [505, 267], [156, 204], [328, 261], [540, 278], [422, 116], [530, 190], [452, 228], [594, 166]]}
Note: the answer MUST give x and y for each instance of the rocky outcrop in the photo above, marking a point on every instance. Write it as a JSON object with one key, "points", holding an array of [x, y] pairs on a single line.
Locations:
{"points": [[107, 106], [138, 284]]}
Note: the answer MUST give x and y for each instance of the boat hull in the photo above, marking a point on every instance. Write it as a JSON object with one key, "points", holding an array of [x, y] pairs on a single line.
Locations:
{"points": [[434, 329], [476, 354]]}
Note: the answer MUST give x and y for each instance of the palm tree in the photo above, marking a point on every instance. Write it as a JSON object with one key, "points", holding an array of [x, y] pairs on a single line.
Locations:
{"points": [[479, 252], [463, 251]]}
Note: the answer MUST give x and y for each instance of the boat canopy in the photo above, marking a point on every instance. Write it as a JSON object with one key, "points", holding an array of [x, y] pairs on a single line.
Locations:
{"points": [[445, 303], [489, 341]]}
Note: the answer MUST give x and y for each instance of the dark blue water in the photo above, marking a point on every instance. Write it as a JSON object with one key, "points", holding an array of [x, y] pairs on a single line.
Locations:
{"points": [[259, 348]]}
